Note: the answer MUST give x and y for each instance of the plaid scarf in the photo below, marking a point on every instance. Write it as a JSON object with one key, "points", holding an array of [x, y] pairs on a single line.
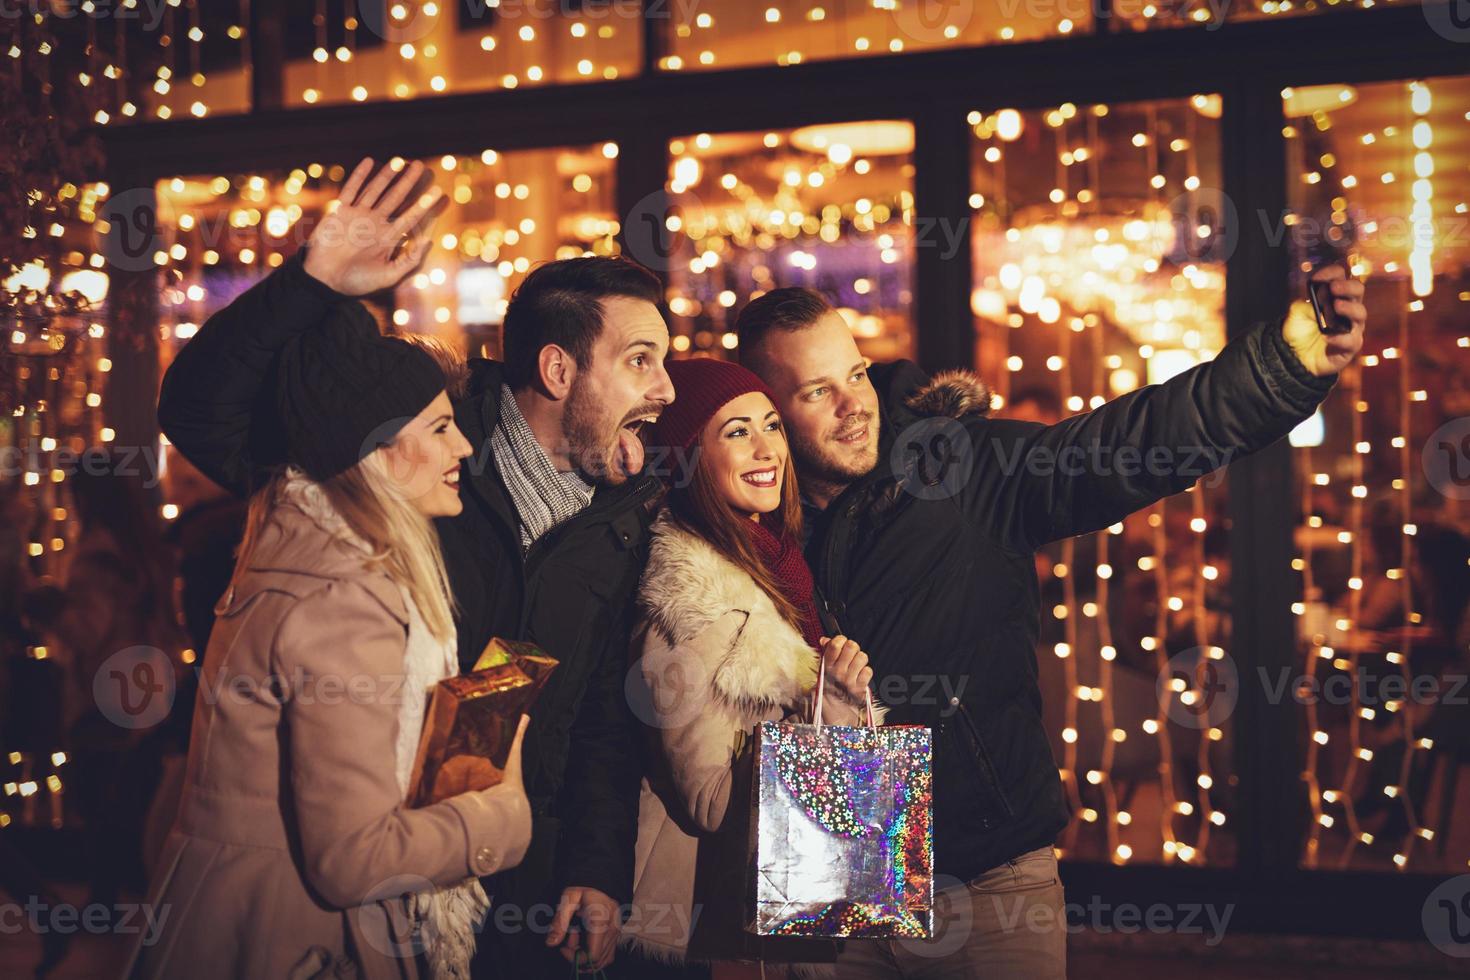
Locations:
{"points": [[542, 496]]}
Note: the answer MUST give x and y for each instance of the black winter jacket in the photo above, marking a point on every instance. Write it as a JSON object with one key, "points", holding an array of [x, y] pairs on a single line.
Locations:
{"points": [[928, 561], [572, 593]]}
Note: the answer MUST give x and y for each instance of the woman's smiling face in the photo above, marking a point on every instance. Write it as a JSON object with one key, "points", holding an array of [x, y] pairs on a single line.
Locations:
{"points": [[744, 450]]}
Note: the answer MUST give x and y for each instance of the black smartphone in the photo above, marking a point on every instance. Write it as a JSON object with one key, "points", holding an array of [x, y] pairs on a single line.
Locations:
{"points": [[1329, 321]]}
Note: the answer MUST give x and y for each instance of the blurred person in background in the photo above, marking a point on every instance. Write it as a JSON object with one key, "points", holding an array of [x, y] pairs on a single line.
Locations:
{"points": [[117, 595], [30, 701], [205, 537]]}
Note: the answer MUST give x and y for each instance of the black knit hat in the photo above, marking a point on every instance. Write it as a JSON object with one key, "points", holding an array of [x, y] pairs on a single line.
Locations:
{"points": [[343, 390]]}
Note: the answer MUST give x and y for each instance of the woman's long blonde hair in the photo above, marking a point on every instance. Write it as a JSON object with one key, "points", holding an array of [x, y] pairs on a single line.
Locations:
{"points": [[399, 539]]}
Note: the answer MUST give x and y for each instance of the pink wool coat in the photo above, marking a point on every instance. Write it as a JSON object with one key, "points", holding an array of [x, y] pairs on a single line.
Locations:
{"points": [[292, 850]]}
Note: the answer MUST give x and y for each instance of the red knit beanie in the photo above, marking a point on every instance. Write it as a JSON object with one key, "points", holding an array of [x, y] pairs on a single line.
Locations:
{"points": [[702, 386]]}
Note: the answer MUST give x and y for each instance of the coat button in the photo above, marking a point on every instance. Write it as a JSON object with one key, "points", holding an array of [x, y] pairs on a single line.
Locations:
{"points": [[485, 857]]}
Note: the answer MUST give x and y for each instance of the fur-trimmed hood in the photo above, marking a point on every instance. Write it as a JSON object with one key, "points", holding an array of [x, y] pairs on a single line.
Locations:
{"points": [[688, 586], [951, 394]]}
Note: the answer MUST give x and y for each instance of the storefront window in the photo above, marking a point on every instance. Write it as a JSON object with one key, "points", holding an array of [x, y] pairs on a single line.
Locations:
{"points": [[1099, 241], [507, 211], [1378, 182]]}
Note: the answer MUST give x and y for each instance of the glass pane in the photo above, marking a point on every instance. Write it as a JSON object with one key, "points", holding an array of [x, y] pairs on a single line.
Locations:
{"points": [[520, 208], [428, 48], [1099, 267], [1378, 181], [1141, 15], [729, 33], [131, 62], [347, 51], [507, 211], [824, 206]]}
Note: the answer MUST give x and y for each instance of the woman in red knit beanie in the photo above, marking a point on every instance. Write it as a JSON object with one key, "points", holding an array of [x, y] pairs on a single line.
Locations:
{"points": [[728, 637]]}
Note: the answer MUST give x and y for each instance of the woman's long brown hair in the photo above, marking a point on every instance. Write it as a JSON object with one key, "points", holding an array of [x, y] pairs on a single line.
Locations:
{"points": [[701, 510]]}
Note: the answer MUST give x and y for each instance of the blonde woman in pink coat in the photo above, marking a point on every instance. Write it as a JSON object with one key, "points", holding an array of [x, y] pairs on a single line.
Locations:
{"points": [[293, 855]]}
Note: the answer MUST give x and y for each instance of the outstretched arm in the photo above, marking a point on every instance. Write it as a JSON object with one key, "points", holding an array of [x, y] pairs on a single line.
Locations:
{"points": [[215, 404], [1033, 484]]}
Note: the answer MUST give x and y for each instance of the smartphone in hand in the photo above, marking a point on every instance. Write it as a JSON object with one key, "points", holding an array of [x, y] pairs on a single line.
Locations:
{"points": [[1329, 321]]}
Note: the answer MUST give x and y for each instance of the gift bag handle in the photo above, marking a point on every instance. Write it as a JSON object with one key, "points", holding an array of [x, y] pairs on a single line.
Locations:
{"points": [[577, 967], [821, 689]]}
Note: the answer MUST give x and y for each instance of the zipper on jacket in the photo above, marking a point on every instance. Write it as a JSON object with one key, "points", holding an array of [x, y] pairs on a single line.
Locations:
{"points": [[839, 529], [982, 755]]}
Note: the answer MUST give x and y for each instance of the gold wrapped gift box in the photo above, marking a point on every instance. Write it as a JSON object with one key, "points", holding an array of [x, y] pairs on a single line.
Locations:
{"points": [[471, 721]]}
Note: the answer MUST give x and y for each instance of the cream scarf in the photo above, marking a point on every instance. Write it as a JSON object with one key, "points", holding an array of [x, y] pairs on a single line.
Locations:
{"points": [[447, 919]]}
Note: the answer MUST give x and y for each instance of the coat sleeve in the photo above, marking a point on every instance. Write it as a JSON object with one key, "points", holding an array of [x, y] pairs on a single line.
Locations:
{"points": [[696, 732], [603, 778], [215, 402], [340, 655], [1031, 484]]}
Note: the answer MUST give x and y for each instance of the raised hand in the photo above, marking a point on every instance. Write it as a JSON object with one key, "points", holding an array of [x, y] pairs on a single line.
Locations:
{"points": [[1320, 353], [368, 240]]}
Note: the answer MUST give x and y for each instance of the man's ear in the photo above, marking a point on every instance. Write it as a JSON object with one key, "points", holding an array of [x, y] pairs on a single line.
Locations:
{"points": [[556, 370]]}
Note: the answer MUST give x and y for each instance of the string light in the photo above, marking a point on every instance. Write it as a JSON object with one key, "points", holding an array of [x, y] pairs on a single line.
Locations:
{"points": [[1062, 266], [738, 235], [1340, 814]]}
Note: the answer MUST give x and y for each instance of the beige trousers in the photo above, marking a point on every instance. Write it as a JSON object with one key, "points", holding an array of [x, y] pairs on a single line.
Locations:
{"points": [[1007, 924]]}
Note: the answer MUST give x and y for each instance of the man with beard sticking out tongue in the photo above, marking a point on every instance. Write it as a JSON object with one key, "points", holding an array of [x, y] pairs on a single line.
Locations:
{"points": [[548, 548]]}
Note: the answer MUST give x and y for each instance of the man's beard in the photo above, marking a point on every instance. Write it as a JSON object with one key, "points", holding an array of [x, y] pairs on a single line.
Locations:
{"points": [[592, 437], [589, 443], [817, 462]]}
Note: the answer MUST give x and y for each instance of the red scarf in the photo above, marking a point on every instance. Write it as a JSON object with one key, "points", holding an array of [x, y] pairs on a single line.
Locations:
{"points": [[783, 559]]}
